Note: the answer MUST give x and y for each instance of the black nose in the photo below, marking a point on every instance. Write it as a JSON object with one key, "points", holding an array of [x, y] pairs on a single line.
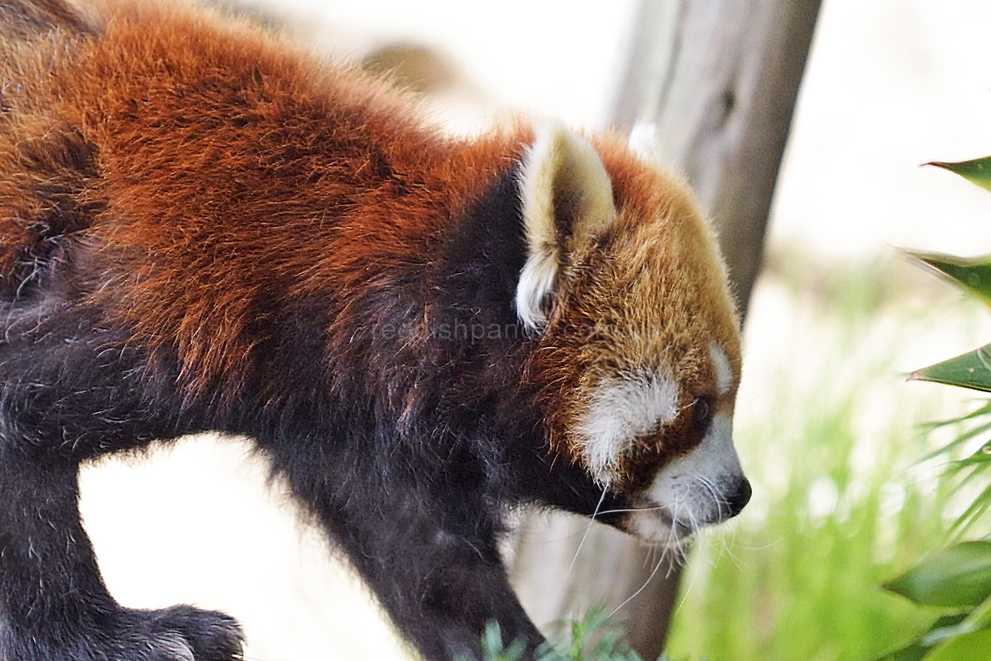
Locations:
{"points": [[737, 500]]}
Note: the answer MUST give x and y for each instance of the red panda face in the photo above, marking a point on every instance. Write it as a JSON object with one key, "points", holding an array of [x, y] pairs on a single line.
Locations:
{"points": [[639, 353]]}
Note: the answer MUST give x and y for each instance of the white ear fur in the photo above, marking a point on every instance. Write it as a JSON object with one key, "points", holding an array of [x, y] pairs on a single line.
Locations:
{"points": [[566, 197]]}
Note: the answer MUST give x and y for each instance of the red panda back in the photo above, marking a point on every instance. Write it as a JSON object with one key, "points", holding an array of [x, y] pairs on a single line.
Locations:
{"points": [[208, 171]]}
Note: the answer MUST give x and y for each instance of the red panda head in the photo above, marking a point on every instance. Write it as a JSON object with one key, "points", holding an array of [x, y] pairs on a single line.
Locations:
{"points": [[638, 357]]}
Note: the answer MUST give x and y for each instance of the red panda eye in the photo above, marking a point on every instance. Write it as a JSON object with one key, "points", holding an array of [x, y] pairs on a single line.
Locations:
{"points": [[702, 412]]}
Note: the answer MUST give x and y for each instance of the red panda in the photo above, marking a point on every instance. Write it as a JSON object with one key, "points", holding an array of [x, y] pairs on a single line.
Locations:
{"points": [[203, 229]]}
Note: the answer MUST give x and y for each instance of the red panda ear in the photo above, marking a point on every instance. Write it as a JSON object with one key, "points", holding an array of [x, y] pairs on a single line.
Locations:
{"points": [[566, 197]]}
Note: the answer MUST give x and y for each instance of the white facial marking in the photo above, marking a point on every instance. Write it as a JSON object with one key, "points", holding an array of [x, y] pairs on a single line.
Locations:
{"points": [[691, 491], [619, 413], [724, 371]]}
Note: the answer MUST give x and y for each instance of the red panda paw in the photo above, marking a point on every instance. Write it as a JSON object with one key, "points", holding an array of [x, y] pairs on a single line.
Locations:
{"points": [[200, 635], [179, 633]]}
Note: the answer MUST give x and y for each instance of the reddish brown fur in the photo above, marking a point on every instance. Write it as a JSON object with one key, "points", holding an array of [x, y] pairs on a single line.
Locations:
{"points": [[197, 190]]}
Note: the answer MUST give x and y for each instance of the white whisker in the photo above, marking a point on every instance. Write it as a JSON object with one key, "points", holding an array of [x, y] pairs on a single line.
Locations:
{"points": [[578, 550], [634, 509], [717, 496], [642, 588]]}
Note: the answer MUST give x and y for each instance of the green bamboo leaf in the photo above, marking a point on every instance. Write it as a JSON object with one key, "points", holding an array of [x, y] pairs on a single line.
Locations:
{"points": [[960, 440], [979, 458], [970, 646], [984, 409], [965, 436], [973, 274], [973, 512], [971, 370], [977, 171], [914, 652], [981, 616], [957, 577], [493, 648], [960, 640], [917, 649]]}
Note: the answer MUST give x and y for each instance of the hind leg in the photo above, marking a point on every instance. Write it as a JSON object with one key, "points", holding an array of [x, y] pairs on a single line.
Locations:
{"points": [[65, 397], [54, 602]]}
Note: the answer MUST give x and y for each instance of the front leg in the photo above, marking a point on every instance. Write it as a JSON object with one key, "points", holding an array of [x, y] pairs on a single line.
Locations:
{"points": [[426, 546], [441, 584]]}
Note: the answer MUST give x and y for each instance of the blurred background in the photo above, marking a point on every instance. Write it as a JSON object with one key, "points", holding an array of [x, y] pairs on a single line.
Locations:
{"points": [[828, 429]]}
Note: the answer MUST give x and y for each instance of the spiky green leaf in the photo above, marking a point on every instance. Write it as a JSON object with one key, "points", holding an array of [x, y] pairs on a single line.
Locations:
{"points": [[977, 171], [970, 370], [973, 274], [956, 577]]}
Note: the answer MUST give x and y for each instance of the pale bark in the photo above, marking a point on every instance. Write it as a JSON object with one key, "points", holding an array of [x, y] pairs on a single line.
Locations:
{"points": [[709, 91]]}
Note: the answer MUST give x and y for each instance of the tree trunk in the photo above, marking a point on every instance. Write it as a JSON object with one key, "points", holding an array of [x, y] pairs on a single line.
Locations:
{"points": [[709, 91]]}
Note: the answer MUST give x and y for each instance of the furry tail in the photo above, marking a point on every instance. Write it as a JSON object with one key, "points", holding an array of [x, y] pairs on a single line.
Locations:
{"points": [[23, 19]]}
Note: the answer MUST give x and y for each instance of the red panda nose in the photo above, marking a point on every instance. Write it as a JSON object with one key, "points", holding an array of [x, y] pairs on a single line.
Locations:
{"points": [[739, 498]]}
